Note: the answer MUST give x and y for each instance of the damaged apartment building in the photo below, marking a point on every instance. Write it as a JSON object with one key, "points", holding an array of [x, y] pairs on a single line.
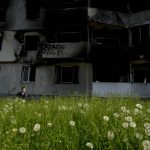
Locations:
{"points": [[81, 47]]}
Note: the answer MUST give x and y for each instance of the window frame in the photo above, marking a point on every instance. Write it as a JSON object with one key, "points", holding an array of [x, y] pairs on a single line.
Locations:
{"points": [[59, 74], [28, 74]]}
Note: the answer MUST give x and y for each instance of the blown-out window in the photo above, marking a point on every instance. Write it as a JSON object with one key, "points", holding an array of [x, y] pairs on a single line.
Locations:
{"points": [[33, 10], [66, 74], [1, 38], [2, 14], [31, 42], [28, 73]]}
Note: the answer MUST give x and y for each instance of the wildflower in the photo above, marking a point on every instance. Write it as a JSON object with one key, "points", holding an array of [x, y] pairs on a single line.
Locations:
{"points": [[22, 130], [106, 118], [136, 111], [128, 119], [125, 125], [147, 131], [147, 125], [123, 108], [132, 124], [72, 123], [36, 127], [116, 115], [14, 130], [46, 102], [139, 136], [146, 144], [89, 145], [110, 135], [49, 124], [125, 139], [23, 101], [13, 121], [79, 104], [45, 106], [139, 106]]}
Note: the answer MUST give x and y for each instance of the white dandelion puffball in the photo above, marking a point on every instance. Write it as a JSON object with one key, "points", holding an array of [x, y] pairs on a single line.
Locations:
{"points": [[36, 127], [49, 124], [79, 104], [72, 123], [110, 135], [128, 119], [132, 124], [147, 125], [139, 136], [123, 108], [125, 125], [116, 115], [139, 106], [148, 110], [22, 130], [146, 144], [147, 131], [136, 111], [89, 145], [106, 118]]}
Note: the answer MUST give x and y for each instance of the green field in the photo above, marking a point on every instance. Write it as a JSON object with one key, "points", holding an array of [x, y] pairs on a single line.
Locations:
{"points": [[75, 123]]}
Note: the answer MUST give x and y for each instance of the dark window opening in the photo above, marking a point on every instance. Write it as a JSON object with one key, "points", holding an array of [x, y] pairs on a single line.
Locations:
{"points": [[2, 15], [66, 75], [135, 36], [145, 37], [118, 5], [142, 76], [110, 75], [136, 6], [28, 73], [31, 42], [1, 39], [68, 38], [32, 11]]}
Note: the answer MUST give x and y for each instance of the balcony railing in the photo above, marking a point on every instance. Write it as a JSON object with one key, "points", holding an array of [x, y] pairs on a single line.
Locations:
{"points": [[63, 50]]}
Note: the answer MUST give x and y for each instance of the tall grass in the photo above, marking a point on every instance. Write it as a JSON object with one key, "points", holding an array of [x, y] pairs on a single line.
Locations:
{"points": [[74, 123]]}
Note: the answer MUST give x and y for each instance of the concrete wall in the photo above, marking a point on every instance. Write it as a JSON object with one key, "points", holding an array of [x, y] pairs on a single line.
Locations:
{"points": [[16, 17], [139, 18], [10, 80], [108, 17], [9, 45], [124, 89]]}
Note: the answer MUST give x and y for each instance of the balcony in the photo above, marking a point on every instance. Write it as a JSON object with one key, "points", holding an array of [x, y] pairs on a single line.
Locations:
{"points": [[63, 50]]}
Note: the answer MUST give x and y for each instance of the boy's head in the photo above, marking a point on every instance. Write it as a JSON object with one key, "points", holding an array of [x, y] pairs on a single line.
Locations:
{"points": [[23, 89]]}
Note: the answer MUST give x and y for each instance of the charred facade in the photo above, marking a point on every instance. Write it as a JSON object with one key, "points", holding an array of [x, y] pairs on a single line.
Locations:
{"points": [[84, 47]]}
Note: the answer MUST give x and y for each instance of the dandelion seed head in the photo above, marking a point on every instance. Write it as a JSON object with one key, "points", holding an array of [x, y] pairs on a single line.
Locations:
{"points": [[79, 104], [125, 125], [123, 108], [147, 131], [37, 127], [22, 130], [89, 145], [139, 136], [49, 124], [146, 144], [116, 115], [132, 124], [106, 118], [110, 135], [72, 123], [139, 106], [128, 119]]}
